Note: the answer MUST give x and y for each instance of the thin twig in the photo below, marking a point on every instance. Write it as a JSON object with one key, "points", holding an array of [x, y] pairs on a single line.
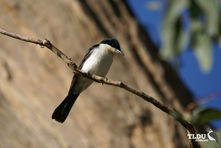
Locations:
{"points": [[46, 43]]}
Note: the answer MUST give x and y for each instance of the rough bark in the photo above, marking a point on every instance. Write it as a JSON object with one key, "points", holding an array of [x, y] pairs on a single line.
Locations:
{"points": [[33, 81]]}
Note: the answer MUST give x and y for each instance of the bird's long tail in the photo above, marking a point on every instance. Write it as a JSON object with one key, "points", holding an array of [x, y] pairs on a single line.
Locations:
{"points": [[62, 111]]}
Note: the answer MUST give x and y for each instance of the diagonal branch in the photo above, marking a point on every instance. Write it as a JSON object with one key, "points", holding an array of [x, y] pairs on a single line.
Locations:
{"points": [[46, 43]]}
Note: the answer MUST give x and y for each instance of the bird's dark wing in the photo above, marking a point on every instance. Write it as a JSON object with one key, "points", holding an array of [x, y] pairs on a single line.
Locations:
{"points": [[87, 55]]}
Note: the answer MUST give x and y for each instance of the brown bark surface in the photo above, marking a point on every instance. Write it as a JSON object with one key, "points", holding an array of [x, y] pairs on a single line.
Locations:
{"points": [[33, 81]]}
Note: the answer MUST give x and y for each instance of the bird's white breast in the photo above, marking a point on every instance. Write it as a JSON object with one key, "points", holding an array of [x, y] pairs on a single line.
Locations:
{"points": [[99, 61]]}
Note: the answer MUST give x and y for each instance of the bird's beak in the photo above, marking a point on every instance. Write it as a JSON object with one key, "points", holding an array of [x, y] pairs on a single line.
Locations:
{"points": [[118, 51]]}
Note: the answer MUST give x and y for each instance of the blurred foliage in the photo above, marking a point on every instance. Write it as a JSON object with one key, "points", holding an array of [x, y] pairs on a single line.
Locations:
{"points": [[191, 23], [153, 5], [202, 115]]}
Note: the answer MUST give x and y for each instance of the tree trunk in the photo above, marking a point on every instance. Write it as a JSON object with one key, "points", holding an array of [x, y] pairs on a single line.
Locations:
{"points": [[33, 81]]}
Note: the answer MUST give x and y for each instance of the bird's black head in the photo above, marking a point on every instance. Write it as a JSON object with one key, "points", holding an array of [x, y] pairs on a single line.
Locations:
{"points": [[113, 43]]}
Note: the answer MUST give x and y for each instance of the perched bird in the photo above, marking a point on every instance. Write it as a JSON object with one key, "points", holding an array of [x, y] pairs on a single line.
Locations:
{"points": [[97, 60]]}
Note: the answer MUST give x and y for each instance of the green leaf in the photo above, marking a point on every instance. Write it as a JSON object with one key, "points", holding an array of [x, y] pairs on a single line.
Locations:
{"points": [[203, 50], [172, 30], [196, 27], [181, 39], [202, 32], [195, 10], [203, 115], [211, 12], [154, 5]]}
